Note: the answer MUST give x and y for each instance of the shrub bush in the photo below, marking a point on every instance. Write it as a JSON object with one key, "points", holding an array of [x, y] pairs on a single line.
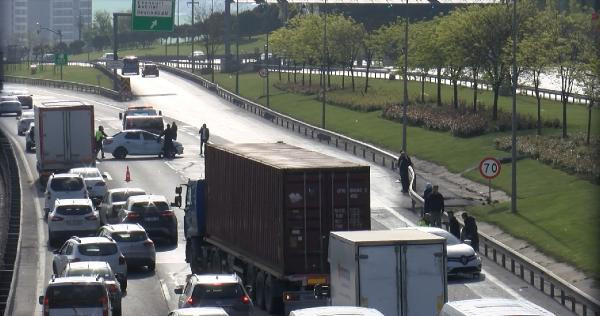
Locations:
{"points": [[571, 154]]}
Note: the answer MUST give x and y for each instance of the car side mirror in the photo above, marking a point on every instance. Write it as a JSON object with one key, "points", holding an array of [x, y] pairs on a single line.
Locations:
{"points": [[178, 190], [467, 241], [178, 290], [177, 202], [159, 112], [41, 300], [249, 289], [120, 116], [104, 176]]}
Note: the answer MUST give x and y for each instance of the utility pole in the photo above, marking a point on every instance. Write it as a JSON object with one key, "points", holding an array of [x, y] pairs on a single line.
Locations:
{"points": [[193, 3], [116, 44], [405, 80], [177, 34], [267, 68], [513, 193], [324, 65], [227, 21], [237, 47]]}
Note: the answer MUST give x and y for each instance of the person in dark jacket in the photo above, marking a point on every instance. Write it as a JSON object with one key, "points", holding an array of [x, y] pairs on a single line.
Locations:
{"points": [[204, 135], [168, 144], [454, 226], [403, 163], [469, 231], [174, 131], [435, 204]]}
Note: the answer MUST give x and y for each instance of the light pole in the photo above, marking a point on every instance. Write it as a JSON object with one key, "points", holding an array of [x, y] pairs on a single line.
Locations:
{"points": [[237, 47], [267, 68], [59, 33], [177, 34], [324, 65], [405, 81], [513, 194], [193, 3], [591, 84]]}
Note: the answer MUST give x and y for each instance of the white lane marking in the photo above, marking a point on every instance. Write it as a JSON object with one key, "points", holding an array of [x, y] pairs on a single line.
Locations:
{"points": [[165, 290], [41, 266]]}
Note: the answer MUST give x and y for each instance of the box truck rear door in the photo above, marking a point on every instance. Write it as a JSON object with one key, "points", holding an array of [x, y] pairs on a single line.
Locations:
{"points": [[79, 126], [425, 279], [52, 140], [377, 266]]}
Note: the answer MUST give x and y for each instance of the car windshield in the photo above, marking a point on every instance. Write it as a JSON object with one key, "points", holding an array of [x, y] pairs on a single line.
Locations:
{"points": [[217, 291], [67, 184], [89, 173], [122, 196], [75, 295], [149, 207], [98, 249], [103, 271], [451, 240], [73, 209], [129, 236]]}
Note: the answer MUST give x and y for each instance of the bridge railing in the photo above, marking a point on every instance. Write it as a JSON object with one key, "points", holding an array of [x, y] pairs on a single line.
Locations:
{"points": [[75, 86]]}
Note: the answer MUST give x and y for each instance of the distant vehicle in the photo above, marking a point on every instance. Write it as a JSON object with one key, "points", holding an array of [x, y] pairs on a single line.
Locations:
{"points": [[64, 186], [23, 96], [461, 257], [131, 65], [94, 181], [153, 124], [72, 217], [153, 213], [197, 55], [30, 138], [136, 142], [134, 243], [90, 249], [262, 56], [114, 200], [108, 56], [150, 70], [65, 132], [101, 271], [48, 58], [137, 110], [216, 290], [76, 296], [199, 311], [336, 311], [493, 307], [10, 107], [24, 121]]}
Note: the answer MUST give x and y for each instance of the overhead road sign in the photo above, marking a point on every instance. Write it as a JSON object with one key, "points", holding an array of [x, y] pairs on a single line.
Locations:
{"points": [[395, 2], [152, 15], [60, 59]]}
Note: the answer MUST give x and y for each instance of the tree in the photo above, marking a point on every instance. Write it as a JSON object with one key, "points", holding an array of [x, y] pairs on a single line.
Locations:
{"points": [[345, 38], [424, 50], [76, 47]]}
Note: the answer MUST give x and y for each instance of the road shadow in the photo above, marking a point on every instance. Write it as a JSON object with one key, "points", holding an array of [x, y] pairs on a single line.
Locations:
{"points": [[465, 278]]}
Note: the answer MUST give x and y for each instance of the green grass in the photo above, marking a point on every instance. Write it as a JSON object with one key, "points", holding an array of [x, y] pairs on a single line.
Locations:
{"points": [[558, 212], [85, 75], [247, 46]]}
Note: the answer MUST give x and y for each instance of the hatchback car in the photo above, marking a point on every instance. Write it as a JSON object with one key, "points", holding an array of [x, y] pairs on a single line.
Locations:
{"points": [[102, 271], [199, 311], [114, 200], [94, 181], [10, 107], [133, 242], [72, 217], [76, 296], [30, 138], [63, 186], [215, 290], [153, 213], [136, 142], [23, 122], [150, 70], [462, 259], [90, 249]]}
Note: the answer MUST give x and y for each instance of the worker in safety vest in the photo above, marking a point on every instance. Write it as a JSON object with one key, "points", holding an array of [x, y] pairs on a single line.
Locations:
{"points": [[100, 135]]}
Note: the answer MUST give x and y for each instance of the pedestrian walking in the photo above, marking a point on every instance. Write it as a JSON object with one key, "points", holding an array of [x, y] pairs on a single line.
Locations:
{"points": [[454, 225], [403, 163], [168, 143], [100, 136], [469, 231], [204, 135], [435, 204], [174, 131]]}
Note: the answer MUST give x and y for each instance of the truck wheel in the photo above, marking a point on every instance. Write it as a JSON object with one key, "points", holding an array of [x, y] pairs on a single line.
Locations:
{"points": [[273, 295], [120, 153], [259, 287]]}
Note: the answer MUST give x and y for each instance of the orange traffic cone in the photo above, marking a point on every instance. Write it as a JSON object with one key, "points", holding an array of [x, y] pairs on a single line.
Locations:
{"points": [[127, 175]]}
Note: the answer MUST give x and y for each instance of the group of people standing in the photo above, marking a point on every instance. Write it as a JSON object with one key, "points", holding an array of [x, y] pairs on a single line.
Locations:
{"points": [[170, 134], [434, 207]]}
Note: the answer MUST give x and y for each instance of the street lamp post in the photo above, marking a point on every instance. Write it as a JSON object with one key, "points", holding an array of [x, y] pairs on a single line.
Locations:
{"points": [[513, 194], [193, 3], [59, 33], [267, 69], [237, 47], [405, 81], [324, 101], [177, 34]]}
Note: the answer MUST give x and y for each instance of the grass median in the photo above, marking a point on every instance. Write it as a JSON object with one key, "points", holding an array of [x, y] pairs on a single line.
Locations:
{"points": [[86, 75], [557, 212]]}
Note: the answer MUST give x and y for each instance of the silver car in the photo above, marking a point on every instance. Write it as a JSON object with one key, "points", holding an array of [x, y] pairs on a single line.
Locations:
{"points": [[136, 142], [72, 217], [94, 181], [10, 107], [114, 200], [133, 242], [23, 122]]}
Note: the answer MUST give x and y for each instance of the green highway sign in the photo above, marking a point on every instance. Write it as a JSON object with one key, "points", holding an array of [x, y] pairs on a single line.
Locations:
{"points": [[152, 15], [60, 59]]}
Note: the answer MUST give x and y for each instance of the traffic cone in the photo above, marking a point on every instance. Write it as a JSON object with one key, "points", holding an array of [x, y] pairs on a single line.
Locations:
{"points": [[127, 175]]}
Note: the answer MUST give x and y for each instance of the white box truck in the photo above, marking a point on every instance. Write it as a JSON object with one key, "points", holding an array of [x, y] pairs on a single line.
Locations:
{"points": [[64, 134], [397, 272]]}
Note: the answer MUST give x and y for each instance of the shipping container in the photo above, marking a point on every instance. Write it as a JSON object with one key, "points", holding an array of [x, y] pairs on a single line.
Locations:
{"points": [[276, 203]]}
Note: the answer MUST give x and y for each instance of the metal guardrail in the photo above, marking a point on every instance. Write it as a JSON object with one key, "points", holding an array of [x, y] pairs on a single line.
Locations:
{"points": [[75, 86], [539, 277]]}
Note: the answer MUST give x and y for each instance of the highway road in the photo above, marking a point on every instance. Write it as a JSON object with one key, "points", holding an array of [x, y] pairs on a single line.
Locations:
{"points": [[191, 106]]}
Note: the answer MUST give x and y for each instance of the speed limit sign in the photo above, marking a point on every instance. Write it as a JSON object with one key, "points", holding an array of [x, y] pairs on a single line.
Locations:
{"points": [[489, 167]]}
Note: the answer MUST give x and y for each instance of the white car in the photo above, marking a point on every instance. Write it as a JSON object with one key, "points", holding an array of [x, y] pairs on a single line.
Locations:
{"points": [[10, 107], [136, 142], [199, 311], [72, 217], [63, 186], [114, 200], [493, 307], [133, 242], [23, 122], [336, 311], [89, 249], [462, 259], [94, 181], [76, 296]]}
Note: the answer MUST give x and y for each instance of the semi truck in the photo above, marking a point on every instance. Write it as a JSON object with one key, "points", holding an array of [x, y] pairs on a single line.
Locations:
{"points": [[265, 211], [64, 135], [397, 272]]}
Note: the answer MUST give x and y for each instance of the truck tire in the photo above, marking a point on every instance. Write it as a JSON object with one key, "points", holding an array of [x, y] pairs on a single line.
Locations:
{"points": [[273, 295], [259, 287], [120, 153]]}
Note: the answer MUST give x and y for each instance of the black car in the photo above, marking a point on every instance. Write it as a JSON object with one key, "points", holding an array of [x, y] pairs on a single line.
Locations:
{"points": [[150, 70], [152, 212]]}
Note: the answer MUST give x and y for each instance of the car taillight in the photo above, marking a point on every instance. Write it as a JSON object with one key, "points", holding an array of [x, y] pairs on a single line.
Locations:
{"points": [[133, 215], [56, 218], [46, 306], [113, 288], [148, 243], [245, 299], [190, 301], [121, 259], [91, 217], [100, 184], [167, 213]]}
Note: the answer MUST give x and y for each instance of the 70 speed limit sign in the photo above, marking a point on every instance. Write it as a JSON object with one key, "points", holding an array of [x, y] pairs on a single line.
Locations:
{"points": [[489, 167]]}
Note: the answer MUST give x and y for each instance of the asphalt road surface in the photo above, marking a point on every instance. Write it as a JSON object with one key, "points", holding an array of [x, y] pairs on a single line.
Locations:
{"points": [[151, 293]]}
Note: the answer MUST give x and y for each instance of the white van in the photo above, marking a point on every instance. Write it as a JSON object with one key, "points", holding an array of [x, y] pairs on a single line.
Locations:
{"points": [[493, 307], [335, 311]]}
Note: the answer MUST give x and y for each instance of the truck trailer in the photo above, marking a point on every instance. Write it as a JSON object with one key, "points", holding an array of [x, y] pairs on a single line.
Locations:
{"points": [[64, 135], [265, 212]]}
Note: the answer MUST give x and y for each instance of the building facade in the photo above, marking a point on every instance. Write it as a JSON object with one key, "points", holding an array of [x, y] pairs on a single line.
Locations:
{"points": [[70, 17]]}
